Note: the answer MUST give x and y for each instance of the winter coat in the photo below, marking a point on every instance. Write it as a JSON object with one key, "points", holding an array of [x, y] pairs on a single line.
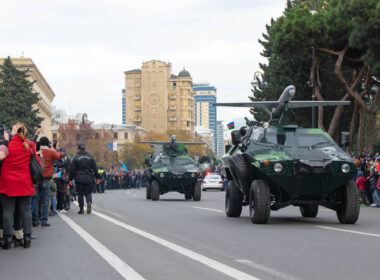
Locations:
{"points": [[49, 156], [83, 168], [360, 182], [15, 179]]}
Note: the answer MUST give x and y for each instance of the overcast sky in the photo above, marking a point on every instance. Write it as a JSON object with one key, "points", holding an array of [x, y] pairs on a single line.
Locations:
{"points": [[83, 47]]}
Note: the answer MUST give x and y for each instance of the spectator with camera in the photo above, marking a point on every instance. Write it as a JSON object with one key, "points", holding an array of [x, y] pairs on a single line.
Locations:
{"points": [[43, 191]]}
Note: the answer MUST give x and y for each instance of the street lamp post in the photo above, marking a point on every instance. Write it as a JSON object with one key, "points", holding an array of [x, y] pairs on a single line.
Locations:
{"points": [[112, 136], [313, 115]]}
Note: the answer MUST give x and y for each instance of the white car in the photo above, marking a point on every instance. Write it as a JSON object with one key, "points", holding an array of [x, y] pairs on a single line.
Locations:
{"points": [[212, 181]]}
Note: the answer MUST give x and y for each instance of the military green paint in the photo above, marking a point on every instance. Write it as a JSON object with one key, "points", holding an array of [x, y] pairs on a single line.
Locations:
{"points": [[272, 156]]}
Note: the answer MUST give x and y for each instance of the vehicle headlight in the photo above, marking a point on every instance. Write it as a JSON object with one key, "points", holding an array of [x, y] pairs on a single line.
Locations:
{"points": [[162, 175], [192, 174], [278, 167], [346, 168]]}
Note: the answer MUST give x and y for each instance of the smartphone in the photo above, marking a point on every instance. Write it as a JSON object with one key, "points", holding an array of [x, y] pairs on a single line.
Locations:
{"points": [[2, 130]]}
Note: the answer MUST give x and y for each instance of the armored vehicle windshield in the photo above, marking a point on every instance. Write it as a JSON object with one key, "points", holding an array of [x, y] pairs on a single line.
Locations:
{"points": [[297, 138]]}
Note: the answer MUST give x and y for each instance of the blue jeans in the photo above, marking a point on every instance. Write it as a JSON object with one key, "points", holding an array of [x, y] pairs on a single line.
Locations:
{"points": [[376, 197], [54, 203], [43, 199]]}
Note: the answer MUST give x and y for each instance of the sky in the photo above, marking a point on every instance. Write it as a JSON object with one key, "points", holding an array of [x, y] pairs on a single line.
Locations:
{"points": [[83, 47]]}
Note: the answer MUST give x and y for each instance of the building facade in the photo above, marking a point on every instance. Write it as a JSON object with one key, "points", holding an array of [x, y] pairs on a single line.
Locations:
{"points": [[205, 112], [41, 86], [219, 139], [156, 100]]}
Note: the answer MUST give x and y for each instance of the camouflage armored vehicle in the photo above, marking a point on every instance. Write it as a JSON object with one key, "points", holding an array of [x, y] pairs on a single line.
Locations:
{"points": [[171, 169], [280, 164]]}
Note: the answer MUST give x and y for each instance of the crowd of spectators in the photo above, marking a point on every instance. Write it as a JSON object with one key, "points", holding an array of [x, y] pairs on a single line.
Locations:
{"points": [[119, 179], [367, 179]]}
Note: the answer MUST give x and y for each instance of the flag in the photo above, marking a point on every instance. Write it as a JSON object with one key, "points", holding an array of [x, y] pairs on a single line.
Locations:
{"points": [[109, 146], [231, 125], [57, 175], [124, 167]]}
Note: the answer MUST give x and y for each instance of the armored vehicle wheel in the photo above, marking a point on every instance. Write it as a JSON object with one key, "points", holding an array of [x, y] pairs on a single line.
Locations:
{"points": [[309, 210], [148, 190], [348, 211], [234, 199], [259, 202], [155, 190], [197, 191]]}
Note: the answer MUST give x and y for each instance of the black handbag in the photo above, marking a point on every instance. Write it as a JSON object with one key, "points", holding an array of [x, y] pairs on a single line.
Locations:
{"points": [[35, 167]]}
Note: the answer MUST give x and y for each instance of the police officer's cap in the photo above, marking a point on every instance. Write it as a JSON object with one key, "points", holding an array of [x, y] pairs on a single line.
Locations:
{"points": [[82, 146]]}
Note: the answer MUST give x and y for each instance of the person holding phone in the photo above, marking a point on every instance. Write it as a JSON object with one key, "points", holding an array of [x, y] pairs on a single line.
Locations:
{"points": [[16, 187], [43, 193]]}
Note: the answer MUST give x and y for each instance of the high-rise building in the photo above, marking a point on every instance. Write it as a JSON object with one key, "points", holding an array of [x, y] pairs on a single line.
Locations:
{"points": [[205, 112], [219, 139], [157, 100]]}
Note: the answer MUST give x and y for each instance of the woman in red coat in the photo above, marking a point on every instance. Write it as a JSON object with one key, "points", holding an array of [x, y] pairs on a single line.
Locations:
{"points": [[16, 187]]}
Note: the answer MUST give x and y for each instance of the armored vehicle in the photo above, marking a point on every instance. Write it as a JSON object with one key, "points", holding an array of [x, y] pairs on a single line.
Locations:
{"points": [[281, 164], [171, 169]]}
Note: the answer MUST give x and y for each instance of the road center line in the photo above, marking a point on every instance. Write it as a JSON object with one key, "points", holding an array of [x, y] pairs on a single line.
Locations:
{"points": [[350, 231], [121, 267], [209, 209], [218, 266]]}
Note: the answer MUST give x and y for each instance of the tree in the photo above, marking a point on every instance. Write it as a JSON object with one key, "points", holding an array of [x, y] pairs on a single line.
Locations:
{"points": [[347, 63], [17, 98]]}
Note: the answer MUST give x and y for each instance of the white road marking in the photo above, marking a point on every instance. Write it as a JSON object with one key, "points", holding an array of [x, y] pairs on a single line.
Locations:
{"points": [[350, 231], [218, 266], [266, 269], [208, 209], [121, 267], [108, 211]]}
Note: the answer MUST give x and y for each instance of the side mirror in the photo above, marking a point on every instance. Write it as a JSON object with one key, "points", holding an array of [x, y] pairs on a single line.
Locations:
{"points": [[344, 138], [243, 131], [236, 137]]}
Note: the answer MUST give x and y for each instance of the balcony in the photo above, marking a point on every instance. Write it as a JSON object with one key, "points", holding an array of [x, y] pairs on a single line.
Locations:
{"points": [[137, 108], [138, 119], [172, 119], [172, 107], [172, 96], [137, 96]]}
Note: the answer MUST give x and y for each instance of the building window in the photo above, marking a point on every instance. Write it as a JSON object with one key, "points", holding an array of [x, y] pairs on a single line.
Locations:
{"points": [[115, 135], [125, 135], [186, 102], [185, 113], [78, 137], [137, 84], [96, 135], [54, 136]]}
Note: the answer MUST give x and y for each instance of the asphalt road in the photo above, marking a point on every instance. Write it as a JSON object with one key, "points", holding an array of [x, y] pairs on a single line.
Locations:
{"points": [[128, 237]]}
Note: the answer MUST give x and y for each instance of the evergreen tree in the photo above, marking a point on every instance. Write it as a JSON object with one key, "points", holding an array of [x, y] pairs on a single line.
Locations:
{"points": [[17, 98]]}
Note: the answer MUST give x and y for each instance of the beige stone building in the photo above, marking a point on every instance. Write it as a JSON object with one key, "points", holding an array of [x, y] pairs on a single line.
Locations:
{"points": [[42, 87], [157, 100]]}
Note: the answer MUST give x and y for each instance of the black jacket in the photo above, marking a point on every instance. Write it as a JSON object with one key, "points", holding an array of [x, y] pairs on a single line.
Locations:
{"points": [[83, 168]]}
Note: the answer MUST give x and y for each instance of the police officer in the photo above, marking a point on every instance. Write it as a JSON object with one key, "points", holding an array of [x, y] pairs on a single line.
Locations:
{"points": [[83, 170]]}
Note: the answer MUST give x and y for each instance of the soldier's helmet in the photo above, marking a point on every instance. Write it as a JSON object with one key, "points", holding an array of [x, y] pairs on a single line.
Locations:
{"points": [[173, 138]]}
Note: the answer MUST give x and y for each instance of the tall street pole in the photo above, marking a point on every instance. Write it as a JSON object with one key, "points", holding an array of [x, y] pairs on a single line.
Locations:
{"points": [[313, 125]]}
